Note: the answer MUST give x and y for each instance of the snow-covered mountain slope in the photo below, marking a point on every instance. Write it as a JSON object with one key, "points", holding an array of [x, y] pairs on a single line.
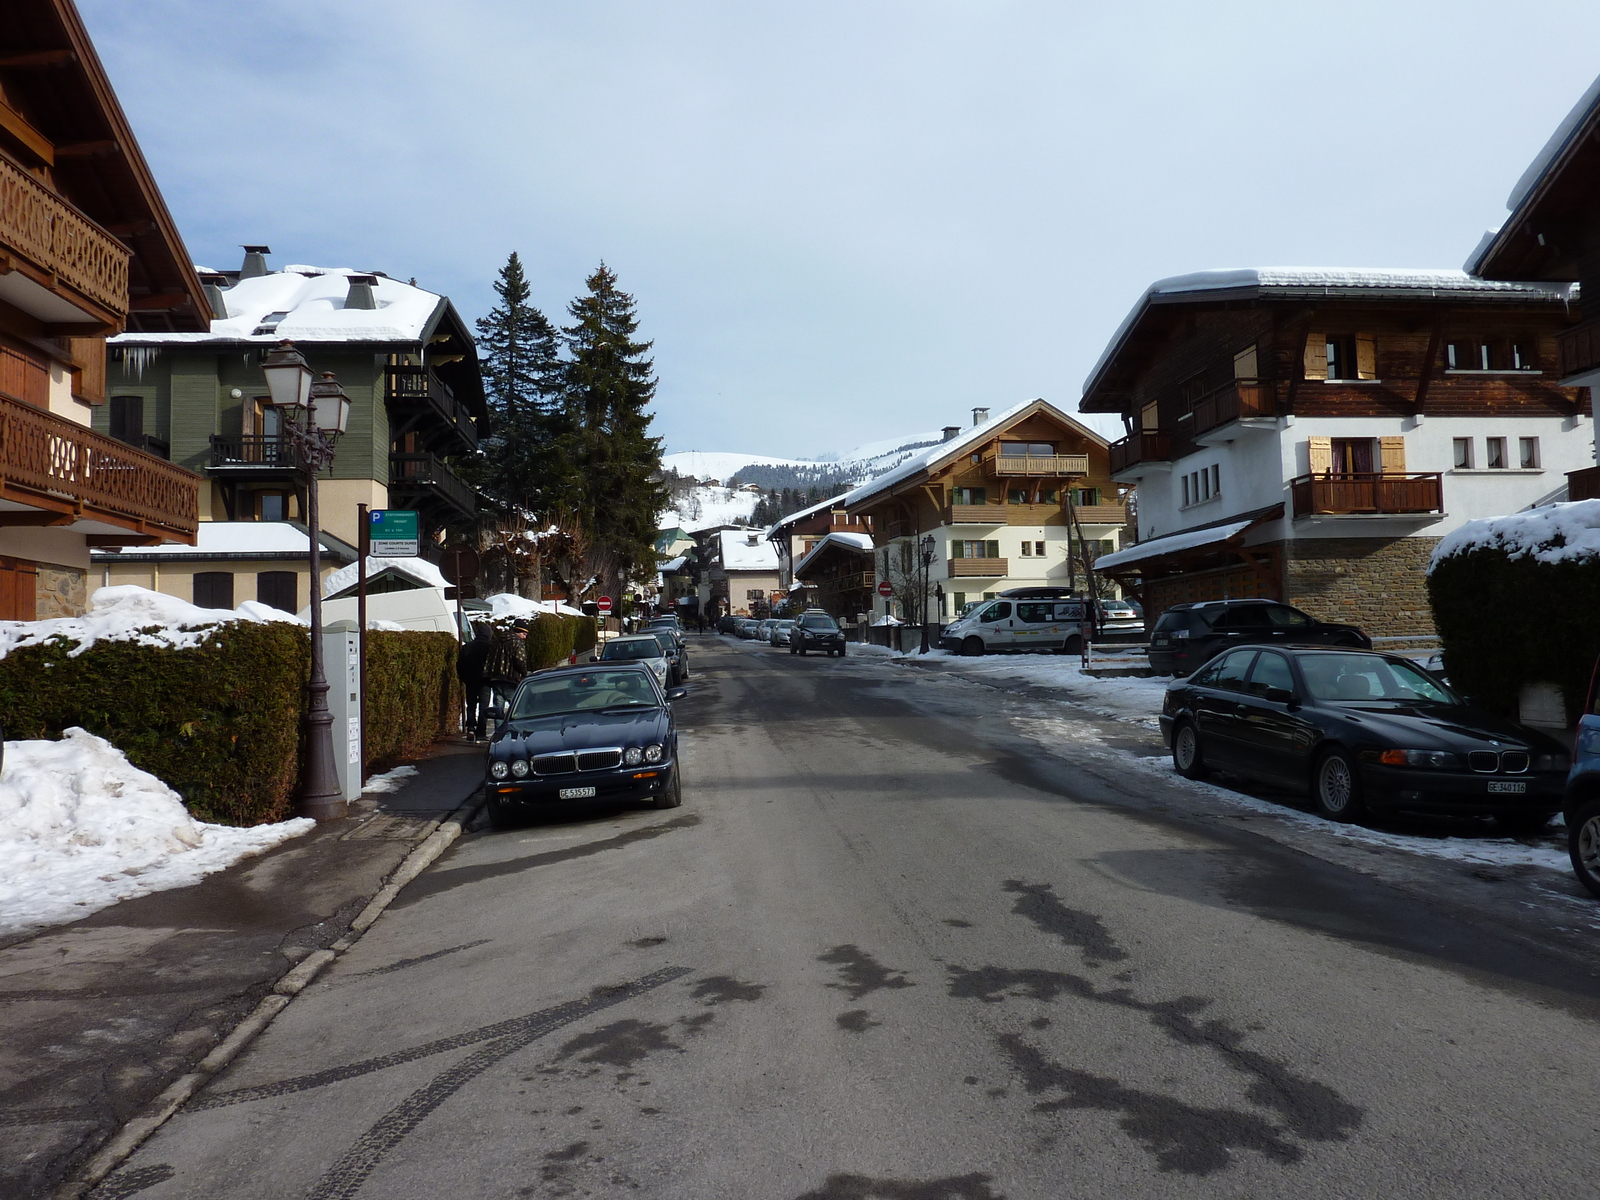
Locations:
{"points": [[703, 507]]}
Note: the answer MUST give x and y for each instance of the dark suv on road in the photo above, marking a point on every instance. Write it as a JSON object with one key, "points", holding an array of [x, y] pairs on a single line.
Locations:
{"points": [[1188, 635], [816, 631]]}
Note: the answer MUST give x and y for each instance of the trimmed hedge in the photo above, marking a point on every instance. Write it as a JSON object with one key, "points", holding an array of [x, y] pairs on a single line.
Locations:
{"points": [[551, 640], [586, 633], [1506, 622], [221, 723]]}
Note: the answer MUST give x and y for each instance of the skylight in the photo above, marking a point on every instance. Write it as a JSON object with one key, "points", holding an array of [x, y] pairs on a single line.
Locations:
{"points": [[269, 323]]}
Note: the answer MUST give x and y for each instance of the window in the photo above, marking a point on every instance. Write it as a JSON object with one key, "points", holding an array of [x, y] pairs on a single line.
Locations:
{"points": [[269, 323], [1193, 389], [755, 594], [1027, 449], [969, 495], [1271, 671], [127, 419], [998, 611], [1202, 485], [1495, 458], [272, 506], [975, 549], [1352, 456], [1016, 496], [1038, 549], [213, 589], [1231, 673], [1087, 497], [1463, 453], [1524, 357], [1341, 357], [278, 589], [1039, 612], [1049, 496], [959, 601], [1528, 453], [1027, 549]]}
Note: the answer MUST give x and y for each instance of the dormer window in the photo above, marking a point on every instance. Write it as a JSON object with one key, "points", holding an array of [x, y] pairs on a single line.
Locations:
{"points": [[269, 323]]}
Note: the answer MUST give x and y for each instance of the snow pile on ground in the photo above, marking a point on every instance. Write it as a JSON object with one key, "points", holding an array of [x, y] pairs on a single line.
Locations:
{"points": [[1555, 533], [505, 606], [128, 613], [389, 781], [81, 828]]}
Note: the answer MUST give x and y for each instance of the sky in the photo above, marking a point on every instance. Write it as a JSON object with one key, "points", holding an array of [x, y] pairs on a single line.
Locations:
{"points": [[842, 220]]}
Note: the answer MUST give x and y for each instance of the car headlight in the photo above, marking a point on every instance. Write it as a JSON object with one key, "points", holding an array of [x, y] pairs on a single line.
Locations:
{"points": [[653, 753], [1178, 634], [1437, 759], [519, 768], [1551, 762], [633, 756], [499, 769]]}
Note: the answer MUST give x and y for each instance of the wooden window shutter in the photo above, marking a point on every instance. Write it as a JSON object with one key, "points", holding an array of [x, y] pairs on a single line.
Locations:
{"points": [[1316, 357], [1366, 356], [89, 373], [1245, 364], [1320, 454], [1392, 455]]}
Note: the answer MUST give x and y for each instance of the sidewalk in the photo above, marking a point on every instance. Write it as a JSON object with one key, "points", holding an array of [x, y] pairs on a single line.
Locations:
{"points": [[97, 1017]]}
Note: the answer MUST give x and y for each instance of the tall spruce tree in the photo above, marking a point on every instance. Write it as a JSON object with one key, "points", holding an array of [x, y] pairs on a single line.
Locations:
{"points": [[609, 383], [524, 462]]}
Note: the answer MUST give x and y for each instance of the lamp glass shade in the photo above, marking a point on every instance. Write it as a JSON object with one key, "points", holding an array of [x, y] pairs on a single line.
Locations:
{"points": [[330, 407], [288, 376]]}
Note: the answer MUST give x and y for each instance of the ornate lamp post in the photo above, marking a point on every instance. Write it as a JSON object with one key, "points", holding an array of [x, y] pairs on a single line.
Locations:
{"points": [[927, 545], [315, 414]]}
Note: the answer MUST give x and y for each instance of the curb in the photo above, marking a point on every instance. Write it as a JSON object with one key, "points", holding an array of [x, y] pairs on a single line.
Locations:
{"points": [[156, 1114]]}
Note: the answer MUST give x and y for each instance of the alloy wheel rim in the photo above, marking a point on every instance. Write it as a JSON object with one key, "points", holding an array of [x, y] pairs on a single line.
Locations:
{"points": [[1186, 747], [1335, 784], [1589, 846]]}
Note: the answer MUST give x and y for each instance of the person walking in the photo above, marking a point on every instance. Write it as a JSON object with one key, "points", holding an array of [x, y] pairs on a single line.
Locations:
{"points": [[507, 662], [471, 660]]}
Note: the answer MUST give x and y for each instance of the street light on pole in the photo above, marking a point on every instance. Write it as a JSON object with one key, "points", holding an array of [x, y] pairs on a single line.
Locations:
{"points": [[315, 413], [927, 544]]}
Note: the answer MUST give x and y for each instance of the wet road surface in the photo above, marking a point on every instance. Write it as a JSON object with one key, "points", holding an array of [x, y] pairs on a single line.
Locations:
{"points": [[888, 950]]}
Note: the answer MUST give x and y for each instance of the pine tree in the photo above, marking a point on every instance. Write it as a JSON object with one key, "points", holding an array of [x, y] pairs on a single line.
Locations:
{"points": [[609, 383], [523, 461]]}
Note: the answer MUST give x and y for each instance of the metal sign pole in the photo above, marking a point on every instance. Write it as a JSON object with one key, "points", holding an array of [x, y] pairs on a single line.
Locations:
{"points": [[363, 541]]}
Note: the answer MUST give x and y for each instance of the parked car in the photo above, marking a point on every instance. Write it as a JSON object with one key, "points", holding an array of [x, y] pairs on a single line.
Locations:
{"points": [[640, 648], [780, 633], [727, 624], [1363, 732], [1582, 806], [1018, 621], [590, 734], [816, 630], [1187, 635], [746, 628], [764, 629], [676, 648], [1118, 616]]}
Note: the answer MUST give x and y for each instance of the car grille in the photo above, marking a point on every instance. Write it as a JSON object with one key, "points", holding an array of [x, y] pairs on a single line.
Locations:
{"points": [[1487, 762], [1483, 761], [599, 760], [554, 764], [1513, 762]]}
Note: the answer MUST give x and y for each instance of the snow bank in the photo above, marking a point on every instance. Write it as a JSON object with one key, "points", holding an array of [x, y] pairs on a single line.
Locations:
{"points": [[128, 613], [389, 781], [1555, 533], [81, 828]]}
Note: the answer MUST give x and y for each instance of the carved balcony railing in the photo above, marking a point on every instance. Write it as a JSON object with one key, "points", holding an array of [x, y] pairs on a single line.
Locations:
{"points": [[419, 385], [427, 474], [63, 247], [1584, 484], [1339, 495], [1139, 448], [1578, 348], [56, 465], [976, 568], [1239, 400]]}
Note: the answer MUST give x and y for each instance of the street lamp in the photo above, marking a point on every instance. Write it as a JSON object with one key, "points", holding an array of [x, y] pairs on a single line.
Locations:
{"points": [[314, 415], [922, 594]]}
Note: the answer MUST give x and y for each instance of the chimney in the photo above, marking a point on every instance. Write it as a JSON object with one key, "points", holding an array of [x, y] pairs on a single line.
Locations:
{"points": [[360, 293], [212, 286], [752, 540], [979, 416], [950, 432], [255, 262]]}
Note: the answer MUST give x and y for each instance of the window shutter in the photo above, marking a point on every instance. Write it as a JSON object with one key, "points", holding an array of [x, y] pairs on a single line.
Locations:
{"points": [[1320, 454], [1366, 356], [1392, 455], [1316, 357], [1244, 364], [89, 371], [992, 549]]}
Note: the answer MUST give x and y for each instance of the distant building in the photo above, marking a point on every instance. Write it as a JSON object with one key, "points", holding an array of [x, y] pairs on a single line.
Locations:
{"points": [[798, 534], [741, 574]]}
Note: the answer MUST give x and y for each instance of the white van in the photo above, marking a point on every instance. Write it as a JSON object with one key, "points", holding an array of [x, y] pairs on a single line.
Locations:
{"points": [[1017, 623]]}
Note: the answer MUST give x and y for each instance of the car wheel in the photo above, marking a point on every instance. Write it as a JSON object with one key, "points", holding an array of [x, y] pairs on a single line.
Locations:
{"points": [[1187, 757], [673, 796], [972, 647], [1336, 788], [1583, 844], [1521, 824]]}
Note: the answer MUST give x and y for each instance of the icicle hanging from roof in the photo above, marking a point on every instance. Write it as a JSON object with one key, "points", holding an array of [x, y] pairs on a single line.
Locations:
{"points": [[137, 359]]}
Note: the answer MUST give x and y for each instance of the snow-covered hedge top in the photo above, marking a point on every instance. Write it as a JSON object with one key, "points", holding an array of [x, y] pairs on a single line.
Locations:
{"points": [[1555, 533], [504, 606], [128, 613]]}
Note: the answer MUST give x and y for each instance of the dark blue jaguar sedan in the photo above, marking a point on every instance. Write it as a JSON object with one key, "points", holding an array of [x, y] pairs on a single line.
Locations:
{"points": [[1363, 732], [588, 734]]}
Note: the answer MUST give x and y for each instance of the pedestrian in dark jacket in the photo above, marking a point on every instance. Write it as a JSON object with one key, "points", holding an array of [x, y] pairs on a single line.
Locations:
{"points": [[471, 661]]}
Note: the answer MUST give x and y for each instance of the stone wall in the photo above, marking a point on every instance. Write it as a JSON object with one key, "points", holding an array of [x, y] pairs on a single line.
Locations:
{"points": [[61, 592], [1379, 584]]}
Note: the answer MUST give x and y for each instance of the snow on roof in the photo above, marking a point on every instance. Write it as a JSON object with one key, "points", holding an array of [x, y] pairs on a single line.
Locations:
{"points": [[1552, 150], [852, 541], [128, 613], [306, 304], [739, 555], [1318, 282], [672, 564], [418, 569], [284, 539], [1156, 547], [829, 503], [1552, 534]]}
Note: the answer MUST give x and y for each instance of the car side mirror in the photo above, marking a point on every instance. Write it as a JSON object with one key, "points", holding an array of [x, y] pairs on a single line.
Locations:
{"points": [[1279, 696], [495, 712], [677, 693]]}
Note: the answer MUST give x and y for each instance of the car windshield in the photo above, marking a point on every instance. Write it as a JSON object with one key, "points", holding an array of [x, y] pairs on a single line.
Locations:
{"points": [[1368, 677], [825, 624], [631, 648], [545, 697], [668, 643], [784, 625]]}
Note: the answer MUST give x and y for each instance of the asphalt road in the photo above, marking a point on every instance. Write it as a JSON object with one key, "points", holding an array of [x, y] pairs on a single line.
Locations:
{"points": [[891, 949]]}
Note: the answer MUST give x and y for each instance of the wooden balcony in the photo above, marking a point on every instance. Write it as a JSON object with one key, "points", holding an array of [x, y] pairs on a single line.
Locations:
{"points": [[853, 581], [251, 457], [1342, 495], [1584, 484], [1239, 400], [63, 253], [1102, 514], [57, 466], [975, 514], [1578, 348], [407, 386], [976, 568], [425, 476], [1139, 448], [1049, 466]]}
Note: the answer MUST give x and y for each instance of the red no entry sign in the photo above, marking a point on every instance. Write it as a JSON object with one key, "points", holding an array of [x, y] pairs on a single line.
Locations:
{"points": [[885, 589], [604, 605]]}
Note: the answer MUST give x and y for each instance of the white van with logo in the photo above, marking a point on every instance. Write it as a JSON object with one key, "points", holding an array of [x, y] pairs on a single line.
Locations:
{"points": [[1018, 622]]}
